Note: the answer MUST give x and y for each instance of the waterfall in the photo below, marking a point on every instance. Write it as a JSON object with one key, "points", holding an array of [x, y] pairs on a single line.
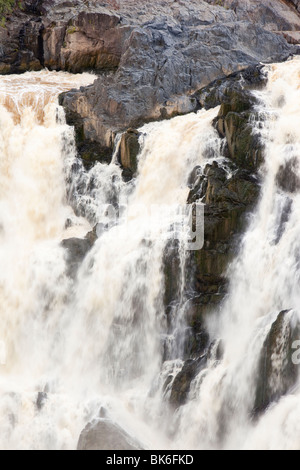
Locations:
{"points": [[74, 340], [264, 281]]}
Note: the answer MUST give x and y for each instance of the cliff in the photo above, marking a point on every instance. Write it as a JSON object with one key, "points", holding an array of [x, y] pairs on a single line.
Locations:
{"points": [[150, 56]]}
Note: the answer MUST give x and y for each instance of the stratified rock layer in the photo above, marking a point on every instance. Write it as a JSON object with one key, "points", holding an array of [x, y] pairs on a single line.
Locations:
{"points": [[152, 55]]}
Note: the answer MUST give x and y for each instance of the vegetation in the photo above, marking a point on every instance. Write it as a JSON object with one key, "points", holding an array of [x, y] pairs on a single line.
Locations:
{"points": [[6, 6], [72, 30]]}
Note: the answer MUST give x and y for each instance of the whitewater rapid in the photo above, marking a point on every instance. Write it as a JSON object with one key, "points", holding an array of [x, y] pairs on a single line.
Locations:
{"points": [[95, 340]]}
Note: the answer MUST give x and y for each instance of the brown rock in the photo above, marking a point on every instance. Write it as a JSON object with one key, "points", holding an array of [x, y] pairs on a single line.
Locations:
{"points": [[129, 150]]}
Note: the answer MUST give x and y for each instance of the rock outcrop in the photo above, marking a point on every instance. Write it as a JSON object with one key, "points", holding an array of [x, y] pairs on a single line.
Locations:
{"points": [[228, 196], [151, 55], [76, 250], [229, 192], [296, 4], [169, 54], [280, 15], [128, 152], [103, 434], [277, 372]]}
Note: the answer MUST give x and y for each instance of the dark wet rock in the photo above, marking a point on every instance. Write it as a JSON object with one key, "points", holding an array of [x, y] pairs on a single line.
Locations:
{"points": [[288, 178], [103, 434], [165, 60], [284, 218], [76, 251], [244, 144], [171, 263], [182, 383], [228, 200], [272, 15], [90, 152], [229, 191], [151, 57], [129, 150], [238, 119], [196, 337], [277, 373], [93, 235], [232, 92], [41, 400], [20, 39], [228, 197]]}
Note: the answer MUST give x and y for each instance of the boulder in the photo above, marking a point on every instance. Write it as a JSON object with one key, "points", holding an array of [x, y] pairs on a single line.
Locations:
{"points": [[103, 434], [296, 4], [232, 92], [227, 200], [41, 400], [181, 385]]}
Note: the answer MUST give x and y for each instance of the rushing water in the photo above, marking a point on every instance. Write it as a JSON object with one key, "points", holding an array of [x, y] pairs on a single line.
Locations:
{"points": [[96, 339]]}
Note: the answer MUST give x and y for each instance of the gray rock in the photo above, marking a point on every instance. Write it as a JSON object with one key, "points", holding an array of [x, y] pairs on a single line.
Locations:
{"points": [[159, 70], [41, 400], [160, 53], [272, 15], [76, 250], [288, 176], [103, 434], [296, 3]]}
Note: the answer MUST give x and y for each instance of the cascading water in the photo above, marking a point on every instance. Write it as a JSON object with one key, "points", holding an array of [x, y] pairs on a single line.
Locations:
{"points": [[73, 344], [264, 281]]}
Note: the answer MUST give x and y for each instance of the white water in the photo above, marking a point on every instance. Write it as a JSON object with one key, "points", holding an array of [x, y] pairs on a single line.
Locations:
{"points": [[96, 340], [264, 281]]}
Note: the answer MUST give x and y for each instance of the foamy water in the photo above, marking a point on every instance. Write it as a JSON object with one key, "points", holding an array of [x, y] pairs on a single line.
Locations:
{"points": [[96, 340]]}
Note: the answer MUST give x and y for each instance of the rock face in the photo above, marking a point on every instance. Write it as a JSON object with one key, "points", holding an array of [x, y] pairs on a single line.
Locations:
{"points": [[151, 55], [105, 435], [227, 197], [182, 382], [280, 15], [169, 54], [129, 150], [296, 3], [76, 250], [276, 371], [229, 193]]}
